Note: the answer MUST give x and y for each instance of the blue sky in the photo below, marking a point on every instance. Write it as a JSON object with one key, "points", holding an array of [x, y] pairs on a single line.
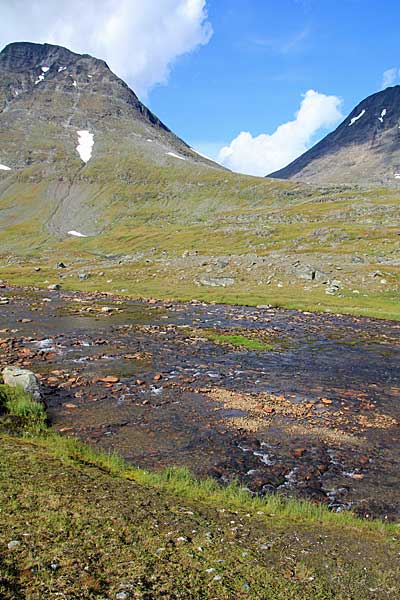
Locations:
{"points": [[229, 76], [265, 54]]}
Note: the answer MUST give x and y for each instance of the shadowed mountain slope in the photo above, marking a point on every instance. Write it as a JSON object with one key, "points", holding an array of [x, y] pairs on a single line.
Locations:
{"points": [[364, 149]]}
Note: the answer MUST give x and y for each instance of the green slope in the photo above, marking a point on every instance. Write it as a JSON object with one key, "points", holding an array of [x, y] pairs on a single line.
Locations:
{"points": [[162, 220], [80, 525]]}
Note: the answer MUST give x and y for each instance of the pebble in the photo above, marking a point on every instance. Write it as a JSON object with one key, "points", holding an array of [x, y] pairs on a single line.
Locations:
{"points": [[109, 379], [13, 544]]}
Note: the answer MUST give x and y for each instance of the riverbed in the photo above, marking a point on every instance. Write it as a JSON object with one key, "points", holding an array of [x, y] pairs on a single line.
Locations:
{"points": [[316, 414]]}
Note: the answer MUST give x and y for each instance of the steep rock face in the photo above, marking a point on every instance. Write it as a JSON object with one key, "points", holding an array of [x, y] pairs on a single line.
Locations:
{"points": [[364, 149], [24, 65]]}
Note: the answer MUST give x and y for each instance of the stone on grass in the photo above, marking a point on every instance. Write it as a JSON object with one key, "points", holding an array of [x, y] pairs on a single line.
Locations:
{"points": [[216, 281], [13, 544], [17, 377]]}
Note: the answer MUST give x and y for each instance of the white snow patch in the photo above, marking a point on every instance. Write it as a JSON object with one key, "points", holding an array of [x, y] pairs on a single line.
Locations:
{"points": [[45, 69], [149, 140], [85, 145], [176, 155], [39, 79], [354, 119], [76, 234], [383, 113], [74, 83], [397, 175], [61, 69], [4, 168]]}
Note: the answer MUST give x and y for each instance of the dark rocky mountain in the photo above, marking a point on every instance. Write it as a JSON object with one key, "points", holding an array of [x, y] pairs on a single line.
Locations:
{"points": [[364, 149]]}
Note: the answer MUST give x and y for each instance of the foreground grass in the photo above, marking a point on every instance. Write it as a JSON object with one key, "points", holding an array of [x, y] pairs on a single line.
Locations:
{"points": [[18, 404], [87, 525]]}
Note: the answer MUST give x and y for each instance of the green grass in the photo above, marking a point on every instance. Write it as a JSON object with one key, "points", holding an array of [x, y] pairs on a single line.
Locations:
{"points": [[88, 526], [238, 341], [20, 405], [158, 213]]}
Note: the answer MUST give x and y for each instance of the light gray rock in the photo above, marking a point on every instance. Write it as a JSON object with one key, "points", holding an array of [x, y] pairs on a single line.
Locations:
{"points": [[216, 281], [13, 544], [106, 309], [308, 272], [15, 376], [333, 287]]}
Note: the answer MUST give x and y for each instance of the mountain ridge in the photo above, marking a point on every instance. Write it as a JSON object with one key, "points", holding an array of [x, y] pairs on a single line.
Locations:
{"points": [[363, 149], [75, 92]]}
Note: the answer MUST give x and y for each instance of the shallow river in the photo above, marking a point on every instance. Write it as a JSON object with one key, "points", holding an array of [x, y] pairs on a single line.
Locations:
{"points": [[317, 415]]}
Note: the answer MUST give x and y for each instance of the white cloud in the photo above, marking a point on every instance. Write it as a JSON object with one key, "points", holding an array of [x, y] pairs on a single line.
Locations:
{"points": [[139, 40], [390, 77], [266, 153]]}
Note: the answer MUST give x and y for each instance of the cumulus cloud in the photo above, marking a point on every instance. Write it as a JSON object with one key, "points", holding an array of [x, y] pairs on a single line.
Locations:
{"points": [[266, 153], [390, 77], [139, 40]]}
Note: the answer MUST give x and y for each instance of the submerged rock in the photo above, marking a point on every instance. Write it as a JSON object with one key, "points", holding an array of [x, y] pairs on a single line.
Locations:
{"points": [[17, 377]]}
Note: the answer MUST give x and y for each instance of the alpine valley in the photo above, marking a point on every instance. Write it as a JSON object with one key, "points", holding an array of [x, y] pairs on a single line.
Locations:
{"points": [[199, 393], [91, 178]]}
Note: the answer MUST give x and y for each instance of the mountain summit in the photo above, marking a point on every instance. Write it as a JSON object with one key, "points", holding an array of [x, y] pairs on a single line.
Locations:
{"points": [[364, 149], [77, 147], [51, 98]]}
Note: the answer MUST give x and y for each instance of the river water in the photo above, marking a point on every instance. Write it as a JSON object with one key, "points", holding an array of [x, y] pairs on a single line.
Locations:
{"points": [[316, 415]]}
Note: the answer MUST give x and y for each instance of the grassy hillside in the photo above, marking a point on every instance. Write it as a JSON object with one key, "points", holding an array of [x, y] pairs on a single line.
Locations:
{"points": [[76, 524], [183, 230], [160, 219]]}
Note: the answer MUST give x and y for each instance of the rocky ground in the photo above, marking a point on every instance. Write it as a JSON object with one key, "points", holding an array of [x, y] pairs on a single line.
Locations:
{"points": [[315, 414]]}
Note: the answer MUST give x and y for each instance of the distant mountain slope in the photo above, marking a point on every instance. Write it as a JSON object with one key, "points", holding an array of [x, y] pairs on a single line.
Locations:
{"points": [[80, 134], [365, 148], [48, 94]]}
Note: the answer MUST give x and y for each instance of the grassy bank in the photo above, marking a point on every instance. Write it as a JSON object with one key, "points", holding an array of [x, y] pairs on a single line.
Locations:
{"points": [[82, 524], [135, 283]]}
